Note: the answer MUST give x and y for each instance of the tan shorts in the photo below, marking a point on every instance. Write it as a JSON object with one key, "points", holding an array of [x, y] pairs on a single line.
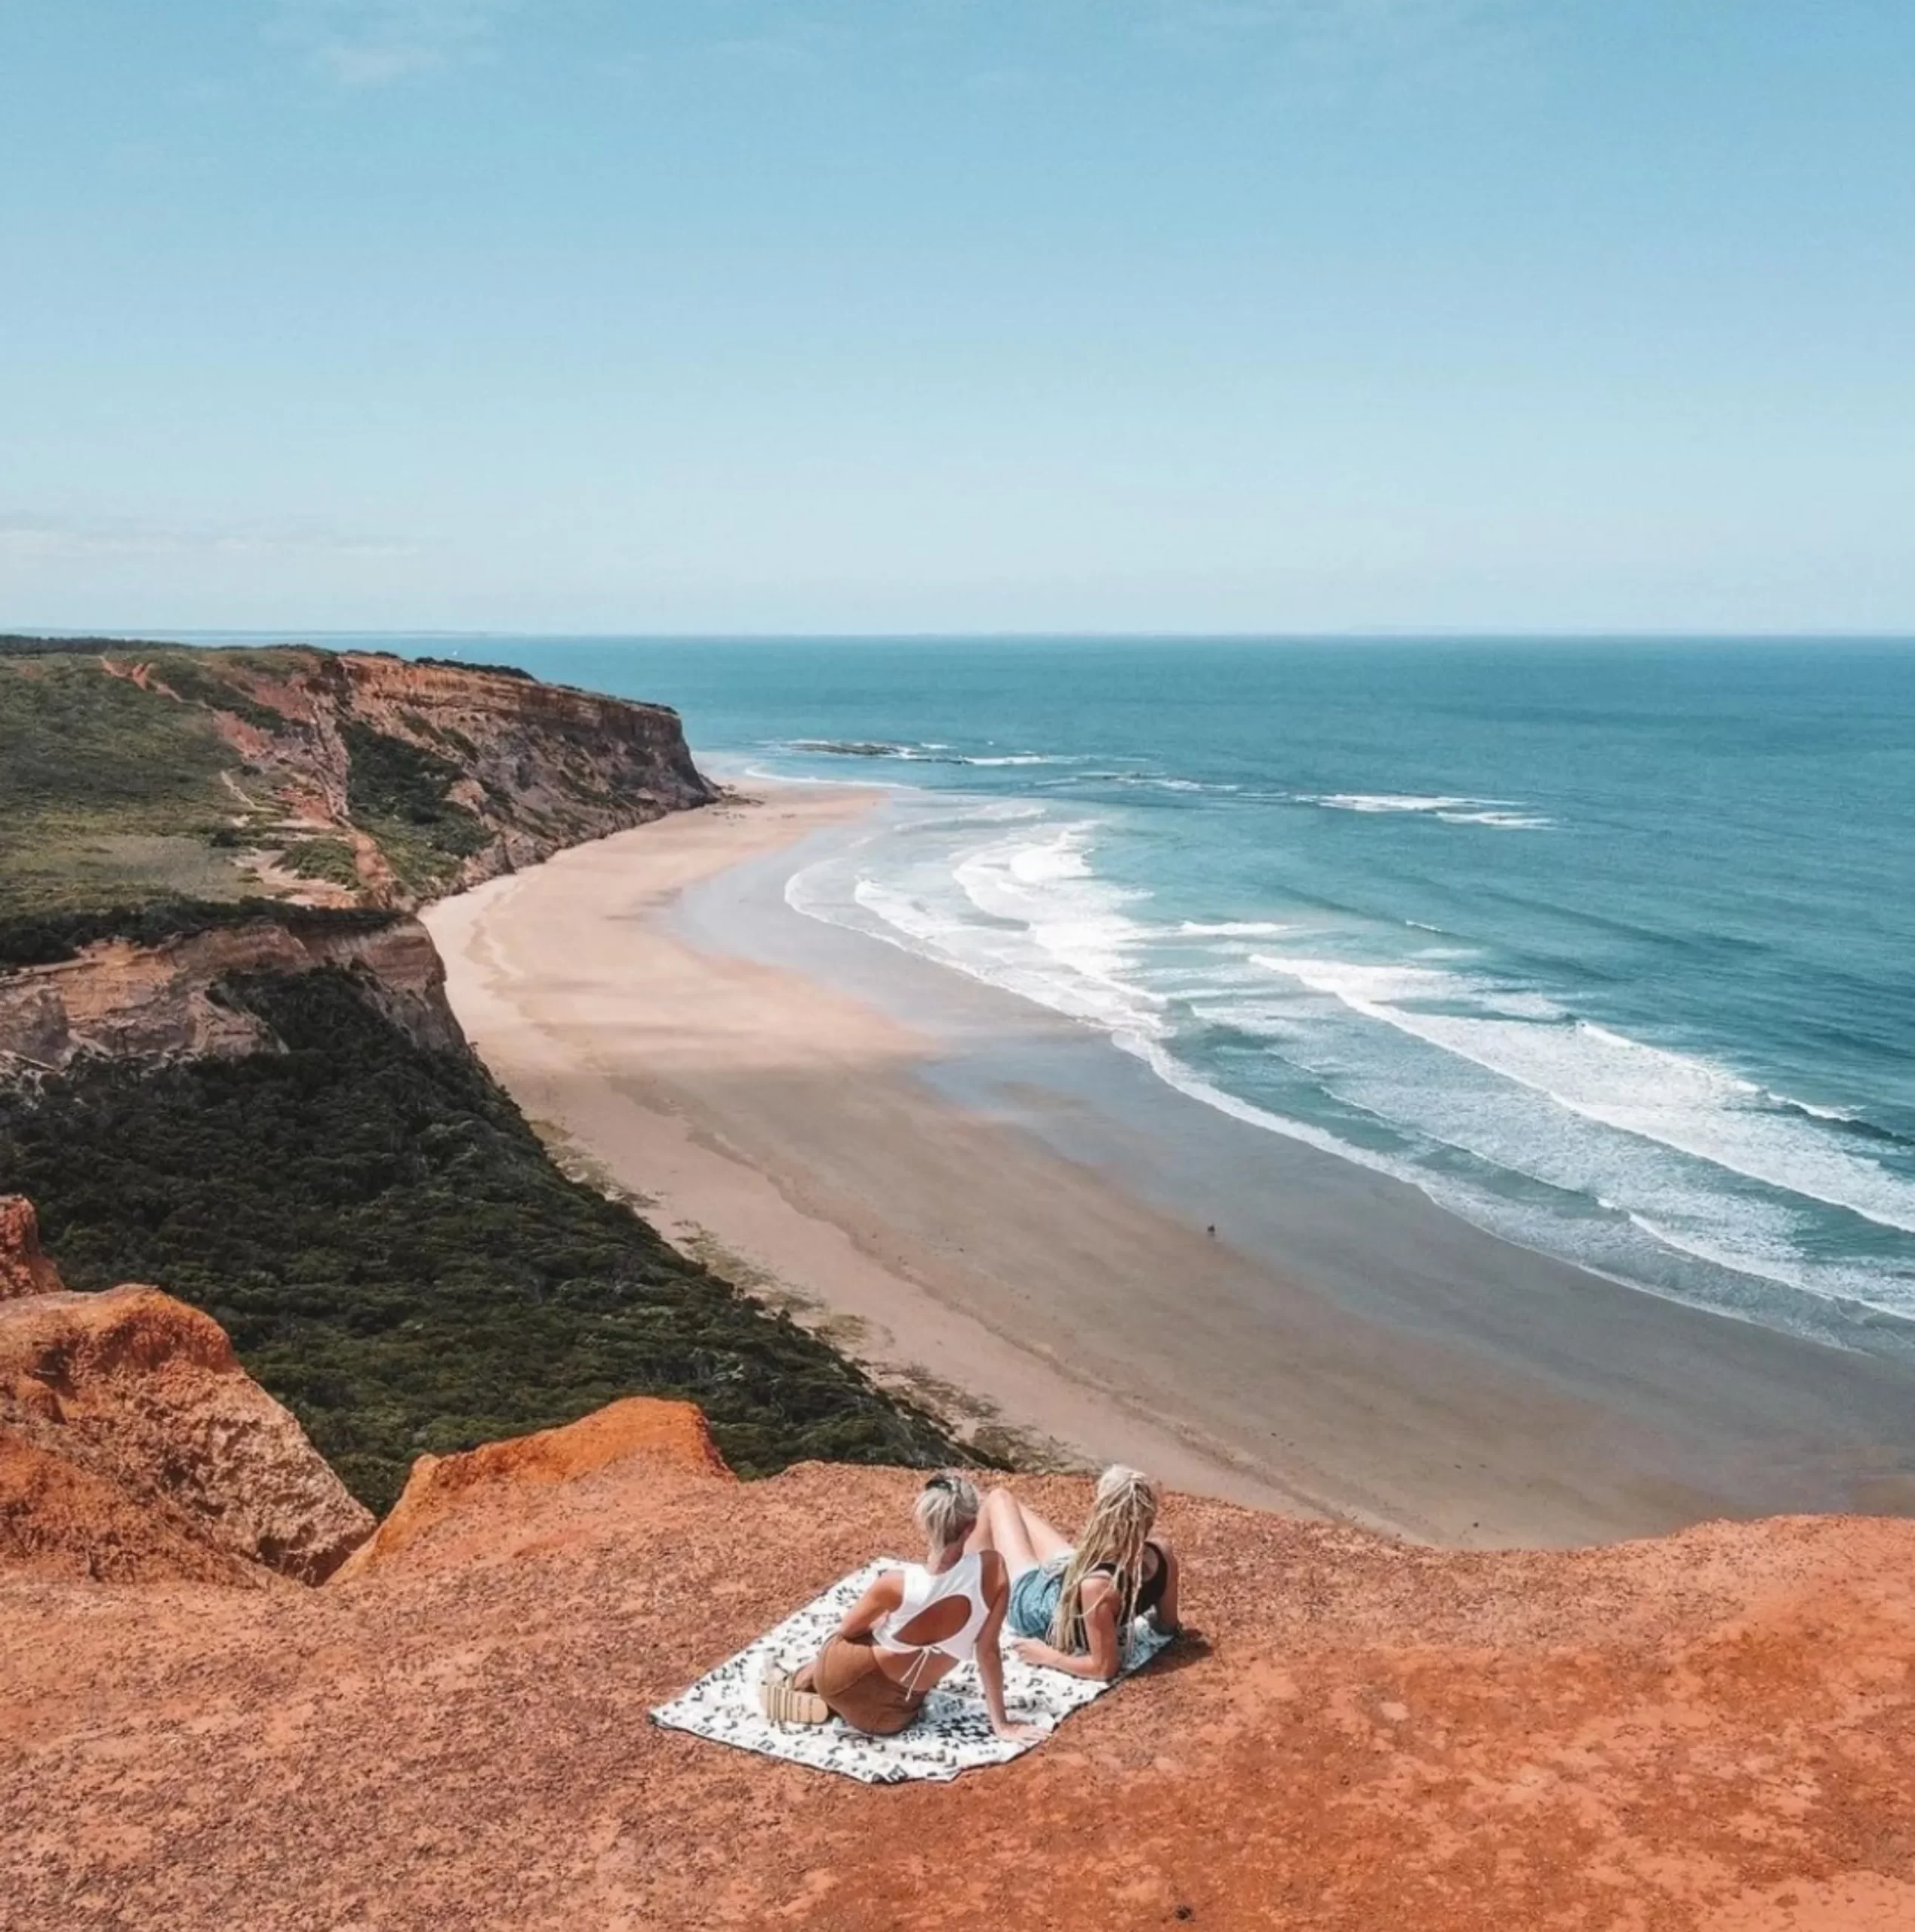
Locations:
{"points": [[848, 1677]]}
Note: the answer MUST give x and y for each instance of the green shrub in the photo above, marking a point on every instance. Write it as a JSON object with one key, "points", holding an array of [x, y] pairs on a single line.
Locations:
{"points": [[397, 791], [329, 859]]}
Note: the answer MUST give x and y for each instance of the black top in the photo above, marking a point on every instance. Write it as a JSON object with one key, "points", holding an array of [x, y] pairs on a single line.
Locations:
{"points": [[1150, 1594]]}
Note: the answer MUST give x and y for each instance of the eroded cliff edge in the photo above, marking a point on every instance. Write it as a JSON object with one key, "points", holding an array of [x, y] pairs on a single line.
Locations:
{"points": [[133, 1448]]}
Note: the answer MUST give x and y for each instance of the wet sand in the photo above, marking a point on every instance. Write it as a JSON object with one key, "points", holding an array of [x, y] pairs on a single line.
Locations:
{"points": [[874, 1143]]}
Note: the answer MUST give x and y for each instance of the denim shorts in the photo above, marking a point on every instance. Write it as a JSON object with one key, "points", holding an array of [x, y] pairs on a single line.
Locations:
{"points": [[1034, 1602]]}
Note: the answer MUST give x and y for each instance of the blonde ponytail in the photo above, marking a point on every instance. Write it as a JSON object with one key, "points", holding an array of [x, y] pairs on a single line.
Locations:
{"points": [[946, 1509]]}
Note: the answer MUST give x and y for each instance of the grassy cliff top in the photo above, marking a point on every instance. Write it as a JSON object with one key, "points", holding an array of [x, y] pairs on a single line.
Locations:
{"points": [[114, 792], [136, 776]]}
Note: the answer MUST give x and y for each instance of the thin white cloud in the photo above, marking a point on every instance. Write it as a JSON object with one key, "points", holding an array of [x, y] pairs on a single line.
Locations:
{"points": [[1364, 27], [32, 540], [379, 43]]}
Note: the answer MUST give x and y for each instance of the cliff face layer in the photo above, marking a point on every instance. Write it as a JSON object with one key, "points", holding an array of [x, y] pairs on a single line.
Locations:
{"points": [[136, 774], [1713, 1733], [133, 1448], [119, 1000]]}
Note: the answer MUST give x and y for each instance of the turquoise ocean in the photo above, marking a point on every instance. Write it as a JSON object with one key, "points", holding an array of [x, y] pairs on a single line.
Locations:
{"points": [[1608, 947]]}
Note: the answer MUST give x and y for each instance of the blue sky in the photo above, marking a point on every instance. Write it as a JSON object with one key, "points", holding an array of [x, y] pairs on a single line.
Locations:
{"points": [[955, 315]]}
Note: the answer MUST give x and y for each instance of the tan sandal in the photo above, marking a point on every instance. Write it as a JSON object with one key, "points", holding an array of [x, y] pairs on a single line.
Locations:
{"points": [[783, 1703]]}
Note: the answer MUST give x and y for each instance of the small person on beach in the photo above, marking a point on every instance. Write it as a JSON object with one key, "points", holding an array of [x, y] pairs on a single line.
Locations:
{"points": [[1070, 1608], [909, 1631]]}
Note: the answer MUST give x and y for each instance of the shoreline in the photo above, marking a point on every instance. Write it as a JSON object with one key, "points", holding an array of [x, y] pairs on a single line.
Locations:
{"points": [[845, 1134], [636, 1127]]}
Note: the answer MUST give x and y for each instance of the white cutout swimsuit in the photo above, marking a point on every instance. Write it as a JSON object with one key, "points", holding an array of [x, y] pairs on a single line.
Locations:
{"points": [[922, 1588]]}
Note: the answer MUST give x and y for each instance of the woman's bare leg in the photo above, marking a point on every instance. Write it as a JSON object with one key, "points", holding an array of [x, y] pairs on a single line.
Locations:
{"points": [[1017, 1532]]}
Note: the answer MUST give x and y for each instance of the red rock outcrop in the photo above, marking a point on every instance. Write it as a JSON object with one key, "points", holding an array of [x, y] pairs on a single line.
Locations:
{"points": [[132, 1447], [470, 1493], [24, 1270], [59, 1519], [1712, 1734]]}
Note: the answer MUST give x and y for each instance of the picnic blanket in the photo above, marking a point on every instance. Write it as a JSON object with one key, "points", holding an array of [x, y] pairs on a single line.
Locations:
{"points": [[953, 1733]]}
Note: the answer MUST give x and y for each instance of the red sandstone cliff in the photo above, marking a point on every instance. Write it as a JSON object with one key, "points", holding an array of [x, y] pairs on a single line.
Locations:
{"points": [[539, 767], [517, 769], [24, 1270], [134, 1448], [546, 766]]}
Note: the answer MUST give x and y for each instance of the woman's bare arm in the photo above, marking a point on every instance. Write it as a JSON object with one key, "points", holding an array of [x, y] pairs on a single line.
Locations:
{"points": [[885, 1595], [1105, 1654], [990, 1659]]}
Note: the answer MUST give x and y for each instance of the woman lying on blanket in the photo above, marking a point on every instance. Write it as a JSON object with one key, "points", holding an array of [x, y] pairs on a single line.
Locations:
{"points": [[910, 1630], [1067, 1607]]}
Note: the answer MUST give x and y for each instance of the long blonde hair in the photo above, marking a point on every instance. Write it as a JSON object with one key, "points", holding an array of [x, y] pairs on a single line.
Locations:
{"points": [[1120, 1521]]}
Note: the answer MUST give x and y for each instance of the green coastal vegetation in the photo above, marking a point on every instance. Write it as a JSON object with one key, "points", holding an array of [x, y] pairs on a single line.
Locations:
{"points": [[397, 791], [389, 1245], [119, 793], [397, 1258], [328, 859], [109, 794]]}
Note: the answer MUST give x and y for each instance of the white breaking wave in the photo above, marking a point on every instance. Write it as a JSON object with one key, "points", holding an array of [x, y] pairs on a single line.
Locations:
{"points": [[1506, 814], [1153, 782], [1677, 1101], [1394, 801], [1420, 1056], [1504, 821], [1051, 931], [928, 751], [848, 784], [1234, 928]]}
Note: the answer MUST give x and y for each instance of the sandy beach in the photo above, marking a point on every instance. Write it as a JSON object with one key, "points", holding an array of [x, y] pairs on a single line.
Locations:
{"points": [[1372, 1359]]}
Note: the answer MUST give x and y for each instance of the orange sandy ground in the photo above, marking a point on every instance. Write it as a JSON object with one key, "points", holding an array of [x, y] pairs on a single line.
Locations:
{"points": [[1714, 1731]]}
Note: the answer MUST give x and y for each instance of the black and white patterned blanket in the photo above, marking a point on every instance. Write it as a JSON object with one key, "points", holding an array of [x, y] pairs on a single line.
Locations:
{"points": [[953, 1733]]}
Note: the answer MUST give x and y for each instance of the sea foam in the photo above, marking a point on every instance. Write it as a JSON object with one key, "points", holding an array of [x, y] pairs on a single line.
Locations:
{"points": [[1485, 1090]]}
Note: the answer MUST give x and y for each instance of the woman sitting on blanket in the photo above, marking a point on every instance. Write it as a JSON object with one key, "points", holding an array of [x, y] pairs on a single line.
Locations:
{"points": [[910, 1629], [1068, 1607]]}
